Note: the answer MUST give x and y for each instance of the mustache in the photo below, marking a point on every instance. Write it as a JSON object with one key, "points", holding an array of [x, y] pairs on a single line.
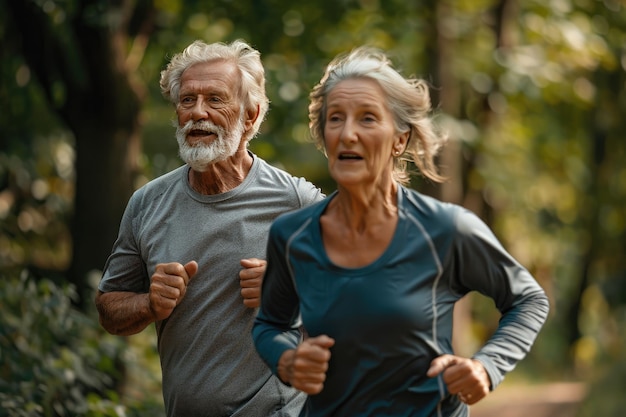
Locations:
{"points": [[200, 125]]}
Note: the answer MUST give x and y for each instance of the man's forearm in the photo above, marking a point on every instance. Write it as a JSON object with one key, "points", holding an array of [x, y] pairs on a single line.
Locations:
{"points": [[124, 313]]}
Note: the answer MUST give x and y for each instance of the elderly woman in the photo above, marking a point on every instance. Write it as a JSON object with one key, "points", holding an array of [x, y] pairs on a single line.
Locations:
{"points": [[373, 272]]}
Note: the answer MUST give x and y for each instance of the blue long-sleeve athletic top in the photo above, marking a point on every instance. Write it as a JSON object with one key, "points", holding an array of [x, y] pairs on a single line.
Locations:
{"points": [[391, 318]]}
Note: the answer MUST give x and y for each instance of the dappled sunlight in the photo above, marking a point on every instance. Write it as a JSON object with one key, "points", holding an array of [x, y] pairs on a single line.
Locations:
{"points": [[532, 98]]}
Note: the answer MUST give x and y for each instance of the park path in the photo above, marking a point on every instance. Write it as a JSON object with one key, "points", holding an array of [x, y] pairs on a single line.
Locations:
{"points": [[542, 400]]}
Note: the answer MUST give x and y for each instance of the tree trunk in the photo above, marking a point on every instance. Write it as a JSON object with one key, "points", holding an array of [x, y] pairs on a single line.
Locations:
{"points": [[107, 147], [86, 59], [591, 218], [106, 167]]}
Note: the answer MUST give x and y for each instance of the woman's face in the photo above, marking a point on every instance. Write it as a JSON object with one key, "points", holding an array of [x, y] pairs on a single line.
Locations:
{"points": [[359, 133]]}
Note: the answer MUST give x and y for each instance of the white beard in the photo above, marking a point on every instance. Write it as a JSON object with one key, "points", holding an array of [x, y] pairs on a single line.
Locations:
{"points": [[200, 155]]}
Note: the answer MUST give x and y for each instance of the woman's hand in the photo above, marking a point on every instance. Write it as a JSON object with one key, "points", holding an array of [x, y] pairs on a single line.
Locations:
{"points": [[304, 368], [465, 377]]}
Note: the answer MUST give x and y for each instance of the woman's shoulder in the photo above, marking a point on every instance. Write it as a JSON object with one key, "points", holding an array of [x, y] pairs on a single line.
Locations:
{"points": [[427, 205], [433, 212]]}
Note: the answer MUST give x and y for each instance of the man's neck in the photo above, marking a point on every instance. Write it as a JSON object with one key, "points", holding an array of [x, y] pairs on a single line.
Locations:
{"points": [[222, 176]]}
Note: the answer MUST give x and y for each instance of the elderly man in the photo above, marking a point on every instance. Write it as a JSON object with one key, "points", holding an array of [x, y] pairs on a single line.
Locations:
{"points": [[186, 235]]}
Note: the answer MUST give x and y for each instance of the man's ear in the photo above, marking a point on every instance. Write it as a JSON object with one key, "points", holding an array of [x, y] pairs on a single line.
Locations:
{"points": [[251, 116]]}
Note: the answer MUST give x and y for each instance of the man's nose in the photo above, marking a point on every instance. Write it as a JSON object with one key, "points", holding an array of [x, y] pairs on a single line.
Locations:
{"points": [[200, 110]]}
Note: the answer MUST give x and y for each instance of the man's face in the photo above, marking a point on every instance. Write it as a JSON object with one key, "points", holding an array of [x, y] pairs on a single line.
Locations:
{"points": [[210, 118]]}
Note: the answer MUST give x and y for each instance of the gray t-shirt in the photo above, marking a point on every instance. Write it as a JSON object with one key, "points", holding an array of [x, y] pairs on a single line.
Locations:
{"points": [[209, 364]]}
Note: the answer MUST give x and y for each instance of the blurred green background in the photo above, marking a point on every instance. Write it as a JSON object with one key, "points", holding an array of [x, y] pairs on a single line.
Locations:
{"points": [[531, 93]]}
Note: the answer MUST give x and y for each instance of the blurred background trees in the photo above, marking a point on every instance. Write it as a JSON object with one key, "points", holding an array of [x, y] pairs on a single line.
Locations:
{"points": [[531, 93]]}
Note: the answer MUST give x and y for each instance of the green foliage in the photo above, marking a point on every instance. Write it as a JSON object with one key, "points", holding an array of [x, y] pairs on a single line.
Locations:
{"points": [[535, 98], [55, 360]]}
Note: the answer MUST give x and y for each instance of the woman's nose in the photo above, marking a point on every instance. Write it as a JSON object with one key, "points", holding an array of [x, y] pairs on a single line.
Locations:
{"points": [[348, 132]]}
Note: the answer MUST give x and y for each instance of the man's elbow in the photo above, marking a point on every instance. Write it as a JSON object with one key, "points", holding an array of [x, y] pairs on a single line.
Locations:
{"points": [[120, 313], [104, 316], [114, 328]]}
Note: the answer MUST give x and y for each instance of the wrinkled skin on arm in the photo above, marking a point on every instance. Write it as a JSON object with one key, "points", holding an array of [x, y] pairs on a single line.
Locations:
{"points": [[126, 313]]}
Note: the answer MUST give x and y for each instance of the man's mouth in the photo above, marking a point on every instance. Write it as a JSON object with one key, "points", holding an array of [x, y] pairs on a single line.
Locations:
{"points": [[200, 132]]}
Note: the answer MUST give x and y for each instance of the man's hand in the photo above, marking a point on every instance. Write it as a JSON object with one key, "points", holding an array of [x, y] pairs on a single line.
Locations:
{"points": [[305, 367], [250, 280], [169, 286], [465, 377]]}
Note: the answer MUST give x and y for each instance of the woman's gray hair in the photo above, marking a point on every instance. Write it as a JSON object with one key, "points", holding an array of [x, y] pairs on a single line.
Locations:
{"points": [[247, 60], [407, 99]]}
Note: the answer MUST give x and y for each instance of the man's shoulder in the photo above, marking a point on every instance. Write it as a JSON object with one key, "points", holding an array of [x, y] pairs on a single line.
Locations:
{"points": [[271, 179], [161, 183], [269, 170], [296, 218]]}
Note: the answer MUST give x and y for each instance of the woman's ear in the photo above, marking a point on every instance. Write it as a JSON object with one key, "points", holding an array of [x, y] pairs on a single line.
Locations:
{"points": [[400, 143]]}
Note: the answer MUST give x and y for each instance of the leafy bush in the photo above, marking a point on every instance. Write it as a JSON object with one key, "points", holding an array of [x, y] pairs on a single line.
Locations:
{"points": [[56, 360]]}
